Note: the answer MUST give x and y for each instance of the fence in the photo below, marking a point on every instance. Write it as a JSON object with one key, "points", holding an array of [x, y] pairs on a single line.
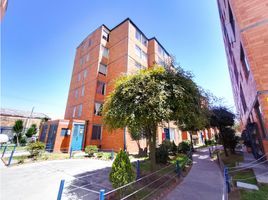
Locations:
{"points": [[7, 152], [144, 187]]}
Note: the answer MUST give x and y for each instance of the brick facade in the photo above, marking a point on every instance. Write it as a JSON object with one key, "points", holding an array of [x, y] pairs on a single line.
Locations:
{"points": [[245, 33], [117, 49]]}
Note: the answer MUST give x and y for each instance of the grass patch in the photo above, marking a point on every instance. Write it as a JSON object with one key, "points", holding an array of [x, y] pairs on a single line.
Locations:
{"points": [[261, 194], [232, 159], [10, 148], [245, 174]]}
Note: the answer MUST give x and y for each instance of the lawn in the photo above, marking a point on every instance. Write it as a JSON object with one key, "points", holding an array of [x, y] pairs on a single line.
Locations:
{"points": [[245, 177], [262, 194]]}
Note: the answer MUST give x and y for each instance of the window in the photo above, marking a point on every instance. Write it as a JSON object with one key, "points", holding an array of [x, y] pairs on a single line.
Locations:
{"points": [[105, 51], [79, 77], [85, 74], [160, 50], [87, 57], [74, 109], [242, 98], [96, 132], [141, 54], [172, 134], [89, 43], [105, 35], [244, 60], [101, 86], [76, 93], [64, 132], [141, 38], [83, 91], [80, 110], [139, 66], [231, 19], [138, 35], [138, 51], [103, 69], [81, 61], [97, 108]]}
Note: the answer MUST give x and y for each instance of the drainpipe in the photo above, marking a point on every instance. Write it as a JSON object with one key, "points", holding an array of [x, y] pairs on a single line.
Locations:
{"points": [[125, 132]]}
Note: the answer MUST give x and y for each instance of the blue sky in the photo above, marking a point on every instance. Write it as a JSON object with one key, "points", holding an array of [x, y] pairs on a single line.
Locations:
{"points": [[39, 38]]}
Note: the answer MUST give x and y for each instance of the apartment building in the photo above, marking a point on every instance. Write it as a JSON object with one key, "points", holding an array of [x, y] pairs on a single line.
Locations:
{"points": [[100, 59], [245, 32]]}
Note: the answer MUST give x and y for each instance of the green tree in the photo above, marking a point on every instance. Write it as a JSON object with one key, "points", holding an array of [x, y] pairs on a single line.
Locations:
{"points": [[143, 101], [31, 131], [223, 119], [17, 129], [121, 172]]}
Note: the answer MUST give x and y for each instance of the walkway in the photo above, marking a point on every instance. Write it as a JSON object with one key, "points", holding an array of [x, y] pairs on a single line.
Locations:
{"points": [[204, 181]]}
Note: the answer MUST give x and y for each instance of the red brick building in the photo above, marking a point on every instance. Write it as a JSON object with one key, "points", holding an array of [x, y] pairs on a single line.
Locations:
{"points": [[102, 57], [245, 33]]}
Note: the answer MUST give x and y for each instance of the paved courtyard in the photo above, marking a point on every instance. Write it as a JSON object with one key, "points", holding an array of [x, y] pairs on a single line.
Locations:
{"points": [[83, 179]]}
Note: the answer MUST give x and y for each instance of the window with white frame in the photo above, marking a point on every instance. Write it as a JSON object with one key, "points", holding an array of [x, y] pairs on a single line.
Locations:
{"points": [[74, 109], [81, 61], [79, 77], [141, 54], [85, 73], [76, 93], [80, 107], [139, 66], [97, 108], [103, 69], [104, 51], [140, 37], [83, 91], [105, 35], [172, 134]]}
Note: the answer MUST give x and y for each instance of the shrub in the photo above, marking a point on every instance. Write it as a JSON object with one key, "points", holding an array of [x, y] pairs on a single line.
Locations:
{"points": [[23, 141], [161, 154], [174, 148], [91, 149], [121, 172], [99, 154], [36, 149], [107, 156], [184, 147]]}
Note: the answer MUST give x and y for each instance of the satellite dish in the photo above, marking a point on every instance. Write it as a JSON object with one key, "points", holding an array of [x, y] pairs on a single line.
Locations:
{"points": [[3, 138]]}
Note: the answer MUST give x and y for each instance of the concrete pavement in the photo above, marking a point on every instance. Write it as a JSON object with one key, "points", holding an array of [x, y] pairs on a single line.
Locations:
{"points": [[41, 180], [204, 181]]}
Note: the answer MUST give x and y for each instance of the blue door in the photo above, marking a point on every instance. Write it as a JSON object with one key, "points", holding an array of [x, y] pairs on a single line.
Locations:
{"points": [[166, 130], [51, 137], [78, 135]]}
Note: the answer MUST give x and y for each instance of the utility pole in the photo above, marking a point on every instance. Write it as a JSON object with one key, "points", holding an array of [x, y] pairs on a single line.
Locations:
{"points": [[27, 120]]}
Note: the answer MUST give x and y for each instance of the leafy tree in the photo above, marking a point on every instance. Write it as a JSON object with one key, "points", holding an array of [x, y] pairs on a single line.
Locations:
{"points": [[31, 131], [121, 172], [17, 129], [143, 101], [36, 149], [223, 119]]}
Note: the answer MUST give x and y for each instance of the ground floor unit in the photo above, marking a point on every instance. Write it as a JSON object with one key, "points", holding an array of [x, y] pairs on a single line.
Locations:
{"points": [[64, 135]]}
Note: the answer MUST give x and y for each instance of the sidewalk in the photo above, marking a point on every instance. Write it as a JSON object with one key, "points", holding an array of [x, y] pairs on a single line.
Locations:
{"points": [[258, 168], [204, 181]]}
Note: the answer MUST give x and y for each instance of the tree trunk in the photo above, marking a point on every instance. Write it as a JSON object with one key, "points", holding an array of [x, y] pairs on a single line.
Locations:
{"points": [[152, 145], [225, 150], [191, 138], [17, 137]]}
